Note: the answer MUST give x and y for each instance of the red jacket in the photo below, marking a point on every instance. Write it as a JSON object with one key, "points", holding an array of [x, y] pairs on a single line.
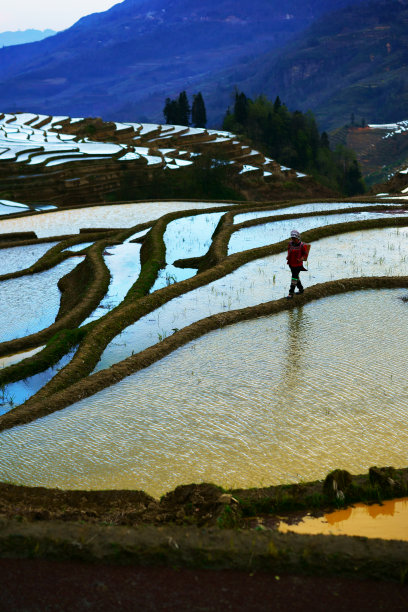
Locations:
{"points": [[296, 253]]}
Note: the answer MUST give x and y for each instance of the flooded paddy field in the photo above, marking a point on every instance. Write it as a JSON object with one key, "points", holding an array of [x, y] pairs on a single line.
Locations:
{"points": [[18, 392], [19, 258], [9, 209], [301, 209], [31, 303], [61, 222], [12, 359], [275, 400], [123, 262], [377, 252], [275, 231], [186, 237], [190, 236]]}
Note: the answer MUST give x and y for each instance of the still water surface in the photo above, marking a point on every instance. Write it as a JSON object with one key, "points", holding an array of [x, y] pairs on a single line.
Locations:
{"points": [[16, 393], [388, 521], [185, 237], [31, 303], [268, 233], [302, 209], [62, 222], [274, 400], [15, 259]]}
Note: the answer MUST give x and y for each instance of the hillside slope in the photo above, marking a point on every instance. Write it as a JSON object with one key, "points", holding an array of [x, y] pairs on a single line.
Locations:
{"points": [[123, 62], [54, 160], [354, 61], [381, 150]]}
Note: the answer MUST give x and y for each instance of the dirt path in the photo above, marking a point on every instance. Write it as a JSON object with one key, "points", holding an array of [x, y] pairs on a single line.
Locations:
{"points": [[39, 586]]}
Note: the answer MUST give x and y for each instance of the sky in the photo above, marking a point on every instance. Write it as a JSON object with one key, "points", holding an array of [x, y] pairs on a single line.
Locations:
{"points": [[43, 14]]}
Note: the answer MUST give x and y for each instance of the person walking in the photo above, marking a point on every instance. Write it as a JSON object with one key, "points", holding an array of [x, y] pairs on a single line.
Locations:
{"points": [[297, 254]]}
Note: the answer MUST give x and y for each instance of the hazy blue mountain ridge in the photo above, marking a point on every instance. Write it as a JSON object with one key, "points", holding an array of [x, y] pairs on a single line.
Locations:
{"points": [[21, 37], [123, 62]]}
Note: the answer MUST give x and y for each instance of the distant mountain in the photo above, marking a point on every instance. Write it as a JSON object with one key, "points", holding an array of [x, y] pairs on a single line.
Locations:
{"points": [[351, 63], [122, 63], [20, 37]]}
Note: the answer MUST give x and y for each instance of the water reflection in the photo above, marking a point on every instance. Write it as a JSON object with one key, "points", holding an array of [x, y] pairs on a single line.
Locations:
{"points": [[14, 259], [185, 237], [388, 521], [300, 209], [30, 303], [17, 393], [294, 357], [17, 357], [123, 262], [60, 222], [296, 346]]}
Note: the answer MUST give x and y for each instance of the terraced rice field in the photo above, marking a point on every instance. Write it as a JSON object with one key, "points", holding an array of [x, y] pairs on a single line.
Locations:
{"points": [[154, 375], [60, 157]]}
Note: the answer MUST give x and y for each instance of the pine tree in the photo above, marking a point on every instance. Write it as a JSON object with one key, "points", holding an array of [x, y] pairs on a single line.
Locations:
{"points": [[171, 112], [241, 108], [353, 180], [198, 112], [324, 140], [167, 110], [277, 104], [184, 109]]}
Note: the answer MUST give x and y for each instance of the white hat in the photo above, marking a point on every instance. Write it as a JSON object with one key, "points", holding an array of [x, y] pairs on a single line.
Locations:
{"points": [[294, 234]]}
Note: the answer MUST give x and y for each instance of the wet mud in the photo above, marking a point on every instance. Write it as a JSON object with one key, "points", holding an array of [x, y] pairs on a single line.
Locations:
{"points": [[193, 526]]}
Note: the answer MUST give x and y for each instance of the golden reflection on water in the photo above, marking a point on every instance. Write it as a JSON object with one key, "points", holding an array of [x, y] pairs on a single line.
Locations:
{"points": [[388, 521], [275, 400]]}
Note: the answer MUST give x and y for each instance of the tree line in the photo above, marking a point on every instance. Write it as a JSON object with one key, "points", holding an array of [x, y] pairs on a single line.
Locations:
{"points": [[179, 112], [293, 139], [290, 138]]}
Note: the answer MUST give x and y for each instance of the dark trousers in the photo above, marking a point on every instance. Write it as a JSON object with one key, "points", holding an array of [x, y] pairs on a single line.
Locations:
{"points": [[295, 280]]}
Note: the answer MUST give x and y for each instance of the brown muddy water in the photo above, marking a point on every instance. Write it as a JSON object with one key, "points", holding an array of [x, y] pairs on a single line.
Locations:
{"points": [[275, 400], [388, 521]]}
